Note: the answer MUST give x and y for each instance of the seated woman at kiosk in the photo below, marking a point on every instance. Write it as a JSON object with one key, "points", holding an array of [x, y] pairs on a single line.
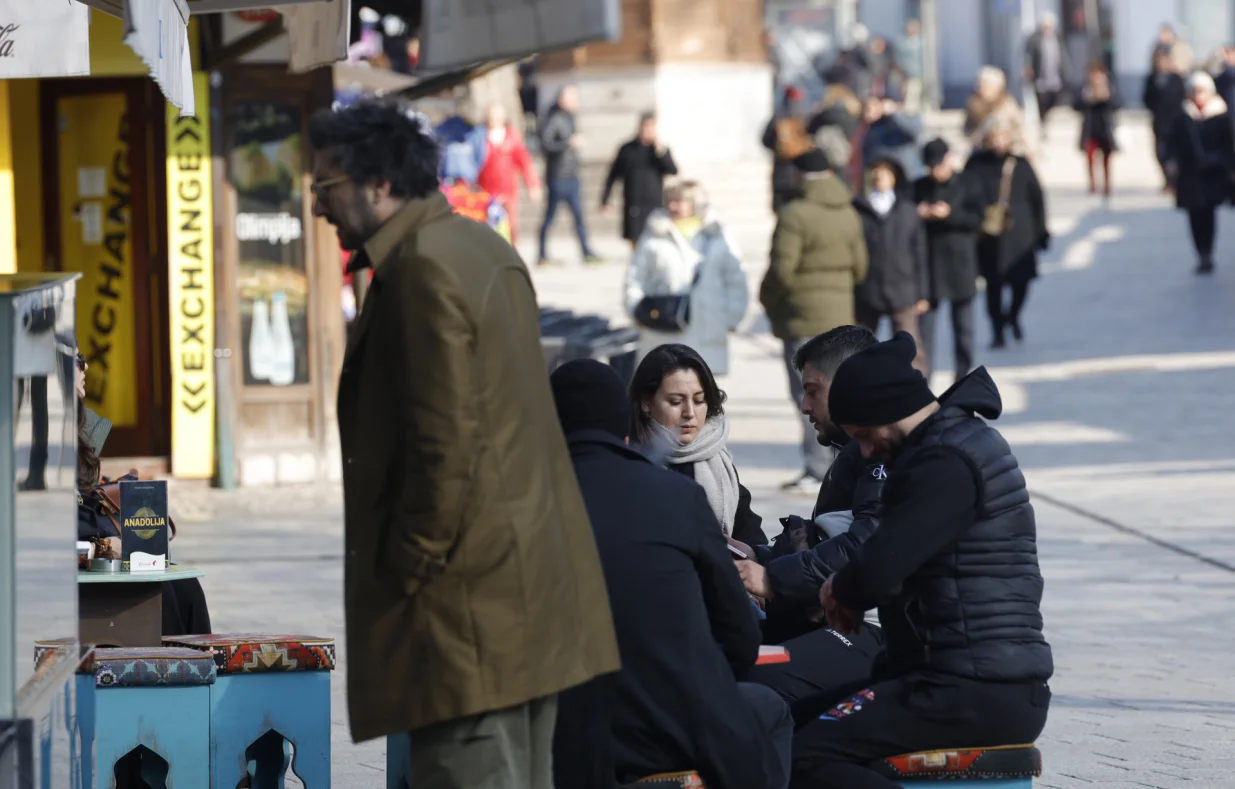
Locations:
{"points": [[184, 602]]}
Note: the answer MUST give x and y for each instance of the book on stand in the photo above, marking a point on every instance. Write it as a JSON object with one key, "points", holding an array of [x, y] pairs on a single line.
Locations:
{"points": [[144, 525]]}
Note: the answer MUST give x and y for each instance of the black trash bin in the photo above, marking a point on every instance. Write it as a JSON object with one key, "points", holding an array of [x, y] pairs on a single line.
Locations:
{"points": [[616, 347]]}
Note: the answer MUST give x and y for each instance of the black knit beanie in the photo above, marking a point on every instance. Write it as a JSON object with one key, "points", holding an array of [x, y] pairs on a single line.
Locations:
{"points": [[879, 385], [590, 395]]}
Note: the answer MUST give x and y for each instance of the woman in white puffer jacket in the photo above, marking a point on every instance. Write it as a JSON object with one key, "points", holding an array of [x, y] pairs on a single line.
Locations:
{"points": [[682, 251]]}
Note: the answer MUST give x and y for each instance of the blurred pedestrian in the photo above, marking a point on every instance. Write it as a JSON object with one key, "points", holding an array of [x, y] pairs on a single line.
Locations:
{"points": [[1097, 102], [818, 257], [461, 143], [858, 63], [686, 282], [1013, 226], [506, 161], [1201, 157], [889, 133], [897, 283], [1165, 43], [950, 207], [1224, 80], [881, 65], [454, 462], [560, 141], [684, 624], [1164, 96], [785, 136], [909, 59], [1048, 66], [991, 99], [641, 165], [833, 126]]}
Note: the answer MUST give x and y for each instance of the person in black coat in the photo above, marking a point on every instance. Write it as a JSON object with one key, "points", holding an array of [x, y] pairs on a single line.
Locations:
{"points": [[953, 570], [1201, 157], [685, 627], [1007, 255], [1097, 102], [793, 570], [641, 165], [1164, 96], [951, 210], [785, 186], [897, 282]]}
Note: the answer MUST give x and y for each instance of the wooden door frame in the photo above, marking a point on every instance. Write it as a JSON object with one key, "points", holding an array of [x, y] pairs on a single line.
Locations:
{"points": [[146, 125]]}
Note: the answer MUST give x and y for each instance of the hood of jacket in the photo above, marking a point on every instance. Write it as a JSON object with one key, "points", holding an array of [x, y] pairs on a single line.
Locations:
{"points": [[828, 191], [1212, 109], [661, 225], [975, 393]]}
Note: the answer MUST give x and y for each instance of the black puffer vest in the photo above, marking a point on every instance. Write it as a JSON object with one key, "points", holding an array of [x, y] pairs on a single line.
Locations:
{"points": [[974, 609]]}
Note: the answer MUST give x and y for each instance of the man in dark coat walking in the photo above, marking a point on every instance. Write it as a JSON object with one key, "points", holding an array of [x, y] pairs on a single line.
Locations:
{"points": [[461, 505], [953, 569], [1164, 96], [685, 625], [641, 165], [951, 210], [560, 142]]}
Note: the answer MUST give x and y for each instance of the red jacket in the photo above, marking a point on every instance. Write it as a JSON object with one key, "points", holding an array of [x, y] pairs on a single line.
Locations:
{"points": [[504, 163]]}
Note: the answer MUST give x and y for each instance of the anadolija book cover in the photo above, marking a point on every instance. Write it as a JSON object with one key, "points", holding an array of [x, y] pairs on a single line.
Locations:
{"points": [[143, 520]]}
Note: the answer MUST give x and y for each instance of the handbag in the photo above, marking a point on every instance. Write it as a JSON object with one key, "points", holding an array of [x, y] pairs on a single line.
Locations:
{"points": [[668, 314], [995, 219]]}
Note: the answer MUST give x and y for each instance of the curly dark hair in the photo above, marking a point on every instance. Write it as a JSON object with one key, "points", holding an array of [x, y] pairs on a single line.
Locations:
{"points": [[379, 141], [88, 464], [659, 363]]}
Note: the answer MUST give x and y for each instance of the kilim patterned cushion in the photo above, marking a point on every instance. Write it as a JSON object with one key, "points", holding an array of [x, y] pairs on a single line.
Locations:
{"points": [[688, 780], [45, 648], [250, 653], [141, 667], [1012, 761]]}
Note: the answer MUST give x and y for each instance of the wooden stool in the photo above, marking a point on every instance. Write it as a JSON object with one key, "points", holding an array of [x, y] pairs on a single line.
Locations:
{"points": [[270, 688], [152, 700], [1007, 767]]}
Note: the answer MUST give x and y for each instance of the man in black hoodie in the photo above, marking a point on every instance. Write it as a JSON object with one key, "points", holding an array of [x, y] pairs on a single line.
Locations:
{"points": [[684, 624], [823, 662], [953, 569]]}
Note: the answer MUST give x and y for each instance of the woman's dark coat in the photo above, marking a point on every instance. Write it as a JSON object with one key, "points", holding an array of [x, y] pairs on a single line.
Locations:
{"points": [[1203, 153], [747, 526], [642, 173], [898, 276], [685, 630], [1012, 256], [952, 243], [1098, 119]]}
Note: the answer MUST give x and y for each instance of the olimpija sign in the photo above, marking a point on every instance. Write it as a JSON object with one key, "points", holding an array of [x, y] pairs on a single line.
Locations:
{"points": [[44, 38]]}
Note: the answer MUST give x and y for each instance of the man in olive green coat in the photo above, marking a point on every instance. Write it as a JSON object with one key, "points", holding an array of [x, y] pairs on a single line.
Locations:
{"points": [[818, 258], [473, 590]]}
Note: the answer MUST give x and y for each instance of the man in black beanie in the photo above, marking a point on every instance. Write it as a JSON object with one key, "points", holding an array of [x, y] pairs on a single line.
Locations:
{"points": [[685, 627], [953, 570]]}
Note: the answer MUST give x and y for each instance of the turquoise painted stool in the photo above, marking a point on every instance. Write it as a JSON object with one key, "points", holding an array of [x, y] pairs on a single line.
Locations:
{"points": [[147, 710], [271, 690], [1009, 767]]}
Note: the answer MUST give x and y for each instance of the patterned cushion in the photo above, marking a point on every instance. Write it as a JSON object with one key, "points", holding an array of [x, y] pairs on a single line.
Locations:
{"points": [[1012, 761], [45, 648], [250, 653], [688, 780], [141, 667]]}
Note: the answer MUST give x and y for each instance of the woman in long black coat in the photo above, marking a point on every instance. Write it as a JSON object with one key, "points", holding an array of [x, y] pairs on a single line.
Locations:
{"points": [[1008, 260], [641, 165], [1201, 156]]}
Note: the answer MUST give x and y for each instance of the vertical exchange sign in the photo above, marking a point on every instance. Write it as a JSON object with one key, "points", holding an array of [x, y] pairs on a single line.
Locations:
{"points": [[190, 289]]}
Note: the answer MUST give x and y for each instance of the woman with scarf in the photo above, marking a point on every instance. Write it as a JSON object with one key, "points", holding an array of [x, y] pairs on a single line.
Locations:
{"points": [[679, 421], [1200, 160]]}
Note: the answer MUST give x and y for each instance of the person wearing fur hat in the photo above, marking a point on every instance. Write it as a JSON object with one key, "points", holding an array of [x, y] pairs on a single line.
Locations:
{"points": [[684, 251], [818, 257], [952, 568]]}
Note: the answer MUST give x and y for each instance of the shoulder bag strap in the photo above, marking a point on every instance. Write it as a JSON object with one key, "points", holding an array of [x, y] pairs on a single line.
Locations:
{"points": [[1005, 182]]}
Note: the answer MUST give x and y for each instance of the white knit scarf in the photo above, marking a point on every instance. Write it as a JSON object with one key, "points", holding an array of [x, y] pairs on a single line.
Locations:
{"points": [[714, 469]]}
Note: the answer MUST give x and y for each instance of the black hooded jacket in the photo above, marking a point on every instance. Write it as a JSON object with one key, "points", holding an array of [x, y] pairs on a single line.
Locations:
{"points": [[953, 567]]}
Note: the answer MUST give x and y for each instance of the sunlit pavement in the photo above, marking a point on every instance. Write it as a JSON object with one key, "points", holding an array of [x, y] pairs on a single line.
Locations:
{"points": [[1118, 405]]}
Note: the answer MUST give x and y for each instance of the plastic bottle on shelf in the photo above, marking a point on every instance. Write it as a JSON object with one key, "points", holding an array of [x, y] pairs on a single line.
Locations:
{"points": [[282, 347]]}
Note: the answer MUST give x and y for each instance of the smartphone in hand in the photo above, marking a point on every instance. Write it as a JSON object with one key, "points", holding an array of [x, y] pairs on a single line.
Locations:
{"points": [[738, 553]]}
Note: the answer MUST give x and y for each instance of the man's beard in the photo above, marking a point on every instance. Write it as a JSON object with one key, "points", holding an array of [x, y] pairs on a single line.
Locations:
{"points": [[357, 226], [832, 436]]}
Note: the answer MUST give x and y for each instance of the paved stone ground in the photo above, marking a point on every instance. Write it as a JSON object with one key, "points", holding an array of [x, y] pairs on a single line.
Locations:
{"points": [[1118, 407]]}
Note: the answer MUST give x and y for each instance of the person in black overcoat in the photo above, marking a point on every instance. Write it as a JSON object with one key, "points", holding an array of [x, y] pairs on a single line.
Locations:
{"points": [[1097, 102], [950, 207], [1008, 259], [686, 629], [1201, 157], [1164, 96], [641, 165]]}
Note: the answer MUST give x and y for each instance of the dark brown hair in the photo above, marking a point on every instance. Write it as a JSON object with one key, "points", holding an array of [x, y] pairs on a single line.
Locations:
{"points": [[662, 362], [88, 465]]}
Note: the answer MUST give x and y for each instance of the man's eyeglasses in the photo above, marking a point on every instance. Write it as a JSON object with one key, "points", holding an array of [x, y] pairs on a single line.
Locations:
{"points": [[318, 188], [81, 362]]}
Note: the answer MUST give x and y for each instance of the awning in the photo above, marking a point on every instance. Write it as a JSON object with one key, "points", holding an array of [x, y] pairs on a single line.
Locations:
{"points": [[45, 39], [157, 30]]}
